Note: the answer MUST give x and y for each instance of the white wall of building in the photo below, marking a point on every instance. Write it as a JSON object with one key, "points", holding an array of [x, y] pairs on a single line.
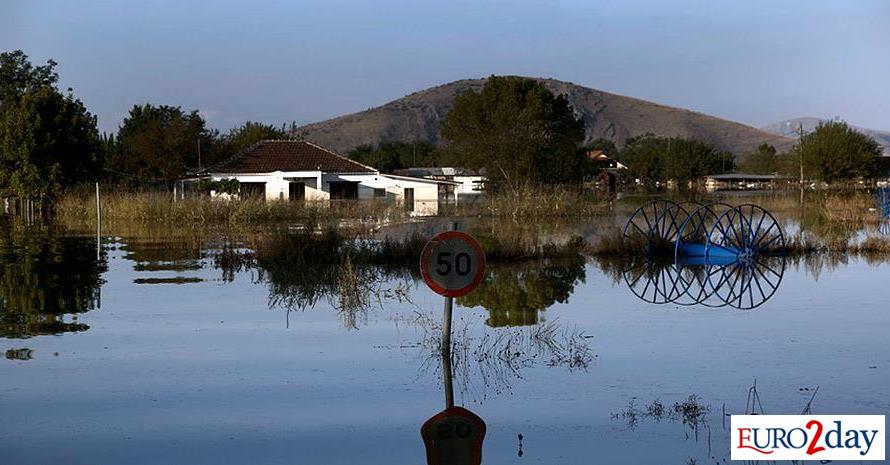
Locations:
{"points": [[278, 183], [277, 187], [469, 184]]}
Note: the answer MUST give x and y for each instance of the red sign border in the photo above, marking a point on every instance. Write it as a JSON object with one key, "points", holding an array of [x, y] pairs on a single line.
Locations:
{"points": [[428, 249], [453, 412]]}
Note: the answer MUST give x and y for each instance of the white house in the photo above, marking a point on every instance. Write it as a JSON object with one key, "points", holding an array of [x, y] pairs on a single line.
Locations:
{"points": [[299, 170], [470, 183]]}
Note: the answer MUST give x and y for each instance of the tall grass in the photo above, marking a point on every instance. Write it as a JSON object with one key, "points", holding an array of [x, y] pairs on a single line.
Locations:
{"points": [[531, 201], [122, 209]]}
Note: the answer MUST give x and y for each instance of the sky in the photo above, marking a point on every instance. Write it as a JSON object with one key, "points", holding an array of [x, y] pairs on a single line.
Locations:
{"points": [[752, 61]]}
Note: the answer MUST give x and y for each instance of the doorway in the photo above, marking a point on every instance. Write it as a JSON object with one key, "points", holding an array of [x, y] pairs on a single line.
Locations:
{"points": [[296, 191], [409, 199]]}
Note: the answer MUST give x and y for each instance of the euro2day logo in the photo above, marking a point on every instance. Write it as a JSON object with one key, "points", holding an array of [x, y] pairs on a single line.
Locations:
{"points": [[807, 437]]}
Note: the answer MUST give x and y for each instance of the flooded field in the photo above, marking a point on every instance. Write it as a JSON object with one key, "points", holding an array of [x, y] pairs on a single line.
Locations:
{"points": [[169, 350]]}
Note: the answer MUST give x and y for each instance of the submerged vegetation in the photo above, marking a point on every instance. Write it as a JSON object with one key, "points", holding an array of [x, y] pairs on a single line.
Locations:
{"points": [[121, 210], [125, 210]]}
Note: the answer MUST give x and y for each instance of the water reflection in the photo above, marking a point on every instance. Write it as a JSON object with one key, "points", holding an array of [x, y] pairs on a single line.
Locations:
{"points": [[488, 361], [152, 256], [302, 269], [515, 295], [740, 284], [298, 277], [46, 280]]}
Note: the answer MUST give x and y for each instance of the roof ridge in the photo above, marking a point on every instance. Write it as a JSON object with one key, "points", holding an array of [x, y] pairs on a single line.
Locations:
{"points": [[221, 166], [338, 155], [231, 159]]}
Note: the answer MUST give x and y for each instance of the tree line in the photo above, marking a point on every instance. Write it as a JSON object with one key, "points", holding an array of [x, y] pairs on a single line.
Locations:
{"points": [[49, 140], [832, 152], [517, 131], [514, 129]]}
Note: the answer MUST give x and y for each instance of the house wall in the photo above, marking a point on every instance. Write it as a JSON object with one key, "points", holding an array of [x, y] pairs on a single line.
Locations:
{"points": [[468, 184], [278, 183], [426, 194]]}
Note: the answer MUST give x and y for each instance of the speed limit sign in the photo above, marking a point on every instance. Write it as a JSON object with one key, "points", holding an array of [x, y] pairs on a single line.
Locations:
{"points": [[452, 263]]}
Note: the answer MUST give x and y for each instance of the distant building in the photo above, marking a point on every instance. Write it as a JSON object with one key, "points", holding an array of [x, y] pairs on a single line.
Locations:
{"points": [[605, 161], [287, 170], [742, 181], [470, 183]]}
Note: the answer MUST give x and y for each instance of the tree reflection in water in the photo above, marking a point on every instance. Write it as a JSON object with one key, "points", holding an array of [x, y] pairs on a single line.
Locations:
{"points": [[354, 276], [302, 269], [46, 280], [516, 294]]}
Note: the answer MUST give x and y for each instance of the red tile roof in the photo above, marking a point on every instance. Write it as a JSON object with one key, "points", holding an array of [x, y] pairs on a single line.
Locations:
{"points": [[289, 155]]}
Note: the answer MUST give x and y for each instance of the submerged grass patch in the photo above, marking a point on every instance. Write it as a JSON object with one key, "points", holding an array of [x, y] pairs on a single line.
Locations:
{"points": [[531, 201], [123, 209]]}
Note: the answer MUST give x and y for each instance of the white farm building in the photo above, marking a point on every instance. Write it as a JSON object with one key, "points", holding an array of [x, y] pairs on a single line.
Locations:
{"points": [[290, 170]]}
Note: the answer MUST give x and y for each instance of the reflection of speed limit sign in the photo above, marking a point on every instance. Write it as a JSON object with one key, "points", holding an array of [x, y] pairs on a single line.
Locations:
{"points": [[452, 263], [453, 437]]}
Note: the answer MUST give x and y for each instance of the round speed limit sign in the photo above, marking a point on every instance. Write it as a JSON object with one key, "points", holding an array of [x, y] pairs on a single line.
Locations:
{"points": [[452, 263]]}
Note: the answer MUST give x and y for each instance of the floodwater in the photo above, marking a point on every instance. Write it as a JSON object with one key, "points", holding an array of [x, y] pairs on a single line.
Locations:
{"points": [[163, 352]]}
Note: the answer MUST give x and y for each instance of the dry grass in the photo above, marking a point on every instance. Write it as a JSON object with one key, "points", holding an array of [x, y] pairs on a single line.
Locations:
{"points": [[149, 208], [535, 201]]}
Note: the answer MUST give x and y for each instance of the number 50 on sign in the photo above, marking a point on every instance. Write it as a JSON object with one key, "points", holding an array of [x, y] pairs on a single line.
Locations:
{"points": [[452, 263]]}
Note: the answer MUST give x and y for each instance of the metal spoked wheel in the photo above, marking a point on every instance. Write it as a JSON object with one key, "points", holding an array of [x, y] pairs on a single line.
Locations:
{"points": [[654, 282], [654, 227], [748, 284], [699, 286], [744, 232], [884, 227]]}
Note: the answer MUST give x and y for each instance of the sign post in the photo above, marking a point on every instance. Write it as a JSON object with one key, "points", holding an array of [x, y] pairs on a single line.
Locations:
{"points": [[452, 264]]}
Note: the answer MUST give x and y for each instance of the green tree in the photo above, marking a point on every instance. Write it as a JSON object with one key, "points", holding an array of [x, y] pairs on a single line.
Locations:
{"points": [[391, 156], [654, 159], [835, 151], [517, 130], [18, 76], [240, 138], [763, 161], [48, 141], [160, 143]]}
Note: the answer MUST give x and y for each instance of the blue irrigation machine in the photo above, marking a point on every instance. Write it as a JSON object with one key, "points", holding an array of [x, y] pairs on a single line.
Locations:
{"points": [[712, 254], [883, 198]]}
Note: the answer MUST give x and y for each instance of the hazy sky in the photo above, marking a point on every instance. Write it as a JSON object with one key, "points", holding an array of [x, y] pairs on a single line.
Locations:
{"points": [[755, 62]]}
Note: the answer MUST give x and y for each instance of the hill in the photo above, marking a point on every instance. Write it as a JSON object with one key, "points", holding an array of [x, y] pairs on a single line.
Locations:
{"points": [[789, 128], [616, 117]]}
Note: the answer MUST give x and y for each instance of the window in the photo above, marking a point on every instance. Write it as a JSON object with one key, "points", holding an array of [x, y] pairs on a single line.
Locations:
{"points": [[344, 190], [253, 190], [379, 193]]}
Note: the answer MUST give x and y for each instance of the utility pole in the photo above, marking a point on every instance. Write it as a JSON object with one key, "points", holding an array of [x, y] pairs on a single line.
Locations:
{"points": [[800, 150], [800, 154]]}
